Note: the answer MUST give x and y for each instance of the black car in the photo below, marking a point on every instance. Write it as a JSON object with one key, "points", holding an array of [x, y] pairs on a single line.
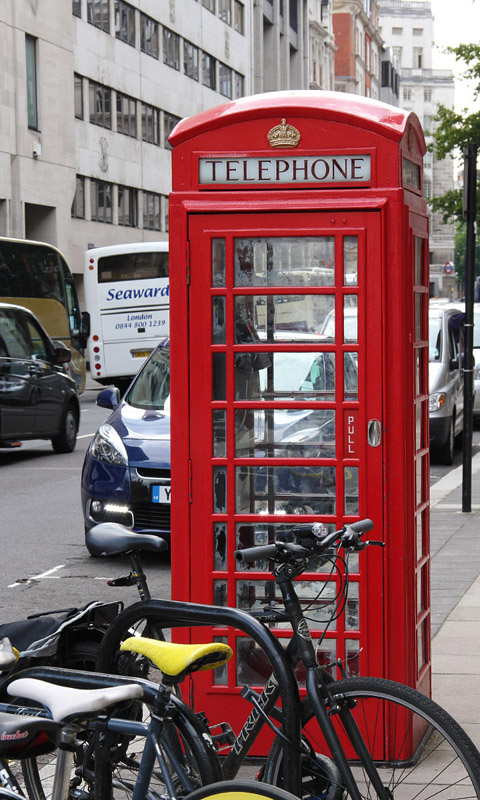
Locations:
{"points": [[38, 398]]}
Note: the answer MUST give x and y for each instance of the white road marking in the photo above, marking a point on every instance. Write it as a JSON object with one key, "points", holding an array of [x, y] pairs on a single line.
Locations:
{"points": [[46, 574]]}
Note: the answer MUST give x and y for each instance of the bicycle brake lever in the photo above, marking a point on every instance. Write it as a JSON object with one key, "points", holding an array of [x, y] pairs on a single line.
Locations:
{"points": [[377, 544]]}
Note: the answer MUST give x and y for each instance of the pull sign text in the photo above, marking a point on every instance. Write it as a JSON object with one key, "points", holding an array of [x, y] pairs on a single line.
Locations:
{"points": [[294, 169]]}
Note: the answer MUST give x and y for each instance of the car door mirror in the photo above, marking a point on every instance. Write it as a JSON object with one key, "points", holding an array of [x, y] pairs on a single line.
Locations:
{"points": [[454, 364], [61, 354], [109, 398]]}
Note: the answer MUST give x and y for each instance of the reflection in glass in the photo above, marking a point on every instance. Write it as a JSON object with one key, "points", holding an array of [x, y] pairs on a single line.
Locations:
{"points": [[352, 658], [219, 335], [219, 433], [350, 260], [285, 261], [420, 427], [218, 262], [350, 318], [288, 376], [419, 524], [285, 490], [419, 278], [252, 534], [421, 590], [420, 478], [352, 612], [351, 490], [220, 674], [350, 376], [420, 303], [287, 317], [419, 371], [253, 667], [318, 596], [220, 593], [219, 490], [286, 433], [220, 545], [219, 371], [421, 645]]}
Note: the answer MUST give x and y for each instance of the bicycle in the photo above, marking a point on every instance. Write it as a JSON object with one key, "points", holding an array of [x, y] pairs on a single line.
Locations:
{"points": [[97, 715], [340, 753]]}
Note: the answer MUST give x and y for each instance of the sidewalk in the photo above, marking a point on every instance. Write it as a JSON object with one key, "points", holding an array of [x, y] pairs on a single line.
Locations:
{"points": [[455, 599]]}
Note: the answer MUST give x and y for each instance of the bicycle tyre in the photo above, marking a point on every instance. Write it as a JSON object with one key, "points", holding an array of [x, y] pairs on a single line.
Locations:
{"points": [[443, 761], [240, 790], [184, 735]]}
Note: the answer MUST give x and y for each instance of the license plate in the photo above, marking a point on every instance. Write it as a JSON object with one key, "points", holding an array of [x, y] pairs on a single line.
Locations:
{"points": [[140, 353], [161, 494]]}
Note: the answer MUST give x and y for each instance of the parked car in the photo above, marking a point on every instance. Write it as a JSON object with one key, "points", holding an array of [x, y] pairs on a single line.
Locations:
{"points": [[446, 380], [476, 355], [126, 471], [38, 398]]}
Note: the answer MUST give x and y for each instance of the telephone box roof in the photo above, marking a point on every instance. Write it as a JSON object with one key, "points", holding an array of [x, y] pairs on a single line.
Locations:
{"points": [[363, 112]]}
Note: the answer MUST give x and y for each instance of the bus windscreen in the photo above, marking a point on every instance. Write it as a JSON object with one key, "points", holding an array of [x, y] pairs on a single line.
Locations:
{"points": [[132, 266], [30, 271]]}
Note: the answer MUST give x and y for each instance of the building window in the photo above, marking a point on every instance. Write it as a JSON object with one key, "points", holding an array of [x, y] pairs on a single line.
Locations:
{"points": [[127, 206], [78, 205], [191, 60], [238, 16], [225, 11], [417, 31], [101, 201], [169, 122], [427, 188], [210, 4], [31, 64], [407, 95], [171, 49], [78, 95], [152, 219], [98, 14], [397, 53], [225, 80], [427, 94], [148, 36], [427, 124], [165, 214], [100, 101], [397, 31], [239, 84], [77, 8], [150, 124], [126, 115], [208, 71], [125, 22], [417, 57]]}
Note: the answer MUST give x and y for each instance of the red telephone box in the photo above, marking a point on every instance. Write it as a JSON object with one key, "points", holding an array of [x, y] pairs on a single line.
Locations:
{"points": [[299, 336]]}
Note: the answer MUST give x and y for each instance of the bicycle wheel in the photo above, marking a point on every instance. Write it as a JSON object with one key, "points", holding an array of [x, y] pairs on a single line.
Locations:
{"points": [[419, 750], [183, 738], [240, 790]]}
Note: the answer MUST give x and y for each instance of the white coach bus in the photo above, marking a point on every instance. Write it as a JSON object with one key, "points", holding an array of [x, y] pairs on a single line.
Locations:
{"points": [[127, 297]]}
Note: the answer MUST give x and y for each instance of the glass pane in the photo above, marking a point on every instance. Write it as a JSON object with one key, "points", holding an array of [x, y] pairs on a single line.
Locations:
{"points": [[285, 490], [352, 612], [351, 490], [284, 318], [421, 645], [350, 376], [220, 545], [419, 524], [220, 674], [420, 301], [421, 428], [419, 277], [318, 596], [258, 533], [285, 261], [350, 316], [287, 433], [421, 590], [218, 262], [352, 657], [220, 593], [420, 479], [219, 490], [285, 376], [326, 653], [253, 667], [218, 320], [419, 371], [219, 434], [219, 388], [350, 260]]}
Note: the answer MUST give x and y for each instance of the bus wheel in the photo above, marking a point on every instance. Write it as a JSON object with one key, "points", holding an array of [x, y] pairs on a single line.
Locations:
{"points": [[67, 438]]}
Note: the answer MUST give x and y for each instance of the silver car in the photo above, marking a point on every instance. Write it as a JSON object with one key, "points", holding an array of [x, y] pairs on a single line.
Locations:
{"points": [[446, 380]]}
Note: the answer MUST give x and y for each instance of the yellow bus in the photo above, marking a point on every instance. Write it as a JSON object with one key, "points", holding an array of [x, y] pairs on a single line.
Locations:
{"points": [[35, 275]]}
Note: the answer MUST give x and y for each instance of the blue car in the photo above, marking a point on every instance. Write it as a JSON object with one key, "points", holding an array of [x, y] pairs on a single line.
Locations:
{"points": [[126, 472]]}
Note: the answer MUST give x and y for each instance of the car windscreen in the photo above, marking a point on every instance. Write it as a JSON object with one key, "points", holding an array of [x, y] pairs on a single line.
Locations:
{"points": [[434, 338], [151, 389]]}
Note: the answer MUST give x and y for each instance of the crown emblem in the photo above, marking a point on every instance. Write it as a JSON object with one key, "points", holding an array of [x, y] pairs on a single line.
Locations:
{"points": [[283, 135]]}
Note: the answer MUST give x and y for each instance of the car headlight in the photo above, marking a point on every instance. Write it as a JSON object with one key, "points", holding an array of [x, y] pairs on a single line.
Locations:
{"points": [[108, 446], [437, 401]]}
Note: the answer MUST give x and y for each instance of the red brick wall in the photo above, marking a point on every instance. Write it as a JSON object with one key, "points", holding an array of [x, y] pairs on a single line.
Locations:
{"points": [[344, 56]]}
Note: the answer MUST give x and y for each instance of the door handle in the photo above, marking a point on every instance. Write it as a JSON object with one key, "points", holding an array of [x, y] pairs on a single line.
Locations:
{"points": [[374, 432]]}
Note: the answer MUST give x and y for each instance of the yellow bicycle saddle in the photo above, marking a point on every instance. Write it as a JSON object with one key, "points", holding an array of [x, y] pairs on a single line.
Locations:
{"points": [[177, 659]]}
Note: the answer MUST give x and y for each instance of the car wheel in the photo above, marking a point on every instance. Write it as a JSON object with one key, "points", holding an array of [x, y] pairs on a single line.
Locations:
{"points": [[67, 438], [446, 452]]}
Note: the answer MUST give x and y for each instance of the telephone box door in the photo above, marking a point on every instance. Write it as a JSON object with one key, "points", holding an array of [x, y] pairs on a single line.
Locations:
{"points": [[285, 331]]}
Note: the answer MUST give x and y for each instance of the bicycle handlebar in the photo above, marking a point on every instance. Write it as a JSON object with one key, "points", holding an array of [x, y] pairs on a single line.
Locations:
{"points": [[348, 536]]}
